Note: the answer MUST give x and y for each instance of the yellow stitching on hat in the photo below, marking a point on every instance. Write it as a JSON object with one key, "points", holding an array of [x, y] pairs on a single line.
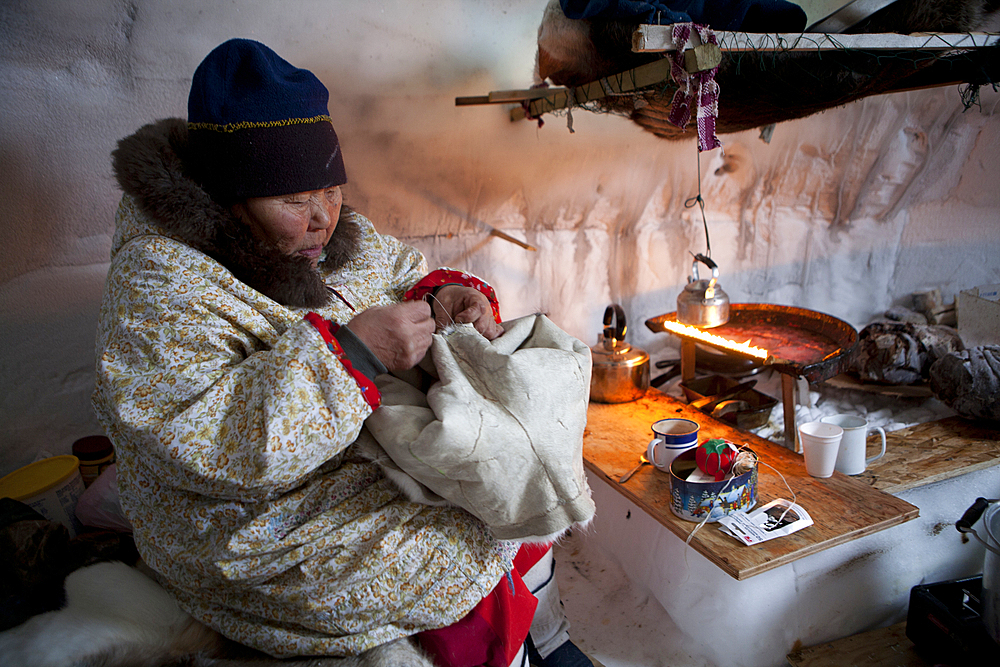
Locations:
{"points": [[245, 125]]}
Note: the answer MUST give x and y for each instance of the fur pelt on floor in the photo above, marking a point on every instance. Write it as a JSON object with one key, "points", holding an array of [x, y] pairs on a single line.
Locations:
{"points": [[116, 616]]}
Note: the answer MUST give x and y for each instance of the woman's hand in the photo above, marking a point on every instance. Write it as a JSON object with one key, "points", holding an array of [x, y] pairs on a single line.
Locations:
{"points": [[399, 335], [460, 304]]}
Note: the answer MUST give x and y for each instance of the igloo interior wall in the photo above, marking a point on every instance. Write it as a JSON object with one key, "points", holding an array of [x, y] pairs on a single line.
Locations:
{"points": [[846, 212]]}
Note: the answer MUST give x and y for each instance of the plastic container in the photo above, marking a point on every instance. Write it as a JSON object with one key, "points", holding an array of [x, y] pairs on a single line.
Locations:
{"points": [[96, 454], [945, 624], [51, 487]]}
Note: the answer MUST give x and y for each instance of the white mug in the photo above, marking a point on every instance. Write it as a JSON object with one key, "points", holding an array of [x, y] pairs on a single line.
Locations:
{"points": [[851, 457], [673, 436]]}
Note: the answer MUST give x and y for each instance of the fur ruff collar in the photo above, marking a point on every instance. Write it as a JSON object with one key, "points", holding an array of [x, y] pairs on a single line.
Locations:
{"points": [[153, 166]]}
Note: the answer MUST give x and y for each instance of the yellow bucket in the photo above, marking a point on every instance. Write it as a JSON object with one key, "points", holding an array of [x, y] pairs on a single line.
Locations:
{"points": [[51, 487]]}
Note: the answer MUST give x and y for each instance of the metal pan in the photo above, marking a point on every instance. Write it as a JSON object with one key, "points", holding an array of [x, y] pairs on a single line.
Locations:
{"points": [[801, 342]]}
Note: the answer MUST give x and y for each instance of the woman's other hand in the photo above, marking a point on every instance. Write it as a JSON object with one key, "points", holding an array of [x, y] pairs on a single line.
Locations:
{"points": [[398, 335], [460, 304]]}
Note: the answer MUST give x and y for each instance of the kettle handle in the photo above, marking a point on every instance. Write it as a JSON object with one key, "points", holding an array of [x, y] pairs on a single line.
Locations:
{"points": [[614, 314], [971, 516], [707, 261]]}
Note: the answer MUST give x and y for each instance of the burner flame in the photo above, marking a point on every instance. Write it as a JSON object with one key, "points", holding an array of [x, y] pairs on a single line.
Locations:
{"points": [[698, 334]]}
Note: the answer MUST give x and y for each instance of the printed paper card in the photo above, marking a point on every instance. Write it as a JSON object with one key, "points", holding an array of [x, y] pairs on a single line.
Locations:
{"points": [[775, 519]]}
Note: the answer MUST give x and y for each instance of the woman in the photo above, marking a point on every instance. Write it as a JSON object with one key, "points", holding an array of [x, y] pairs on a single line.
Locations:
{"points": [[245, 316]]}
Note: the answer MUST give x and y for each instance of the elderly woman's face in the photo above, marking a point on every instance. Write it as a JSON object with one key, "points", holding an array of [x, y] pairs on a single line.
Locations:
{"points": [[299, 224]]}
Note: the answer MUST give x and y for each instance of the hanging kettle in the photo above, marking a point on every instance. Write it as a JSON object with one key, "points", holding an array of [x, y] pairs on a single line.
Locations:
{"points": [[703, 303], [620, 372]]}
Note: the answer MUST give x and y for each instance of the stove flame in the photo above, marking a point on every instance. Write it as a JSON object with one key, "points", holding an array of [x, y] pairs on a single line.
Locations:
{"points": [[699, 334]]}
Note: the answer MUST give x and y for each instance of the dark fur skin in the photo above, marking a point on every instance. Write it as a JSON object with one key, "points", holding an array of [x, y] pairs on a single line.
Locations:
{"points": [[758, 89], [153, 166]]}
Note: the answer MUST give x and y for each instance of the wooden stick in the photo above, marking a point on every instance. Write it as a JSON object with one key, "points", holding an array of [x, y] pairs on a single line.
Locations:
{"points": [[507, 237], [508, 96], [548, 99], [658, 38], [788, 406], [472, 100], [627, 81]]}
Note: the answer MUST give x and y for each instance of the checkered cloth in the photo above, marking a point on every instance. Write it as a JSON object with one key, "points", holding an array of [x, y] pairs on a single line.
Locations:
{"points": [[698, 90]]}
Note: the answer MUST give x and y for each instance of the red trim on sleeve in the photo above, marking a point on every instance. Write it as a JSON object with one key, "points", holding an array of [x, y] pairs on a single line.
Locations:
{"points": [[439, 277], [327, 329]]}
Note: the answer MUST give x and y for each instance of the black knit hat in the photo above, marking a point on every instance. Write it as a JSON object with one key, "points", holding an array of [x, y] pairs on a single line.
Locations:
{"points": [[260, 127]]}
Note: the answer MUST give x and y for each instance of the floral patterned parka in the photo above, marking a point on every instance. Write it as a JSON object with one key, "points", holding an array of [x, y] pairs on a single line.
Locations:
{"points": [[233, 420]]}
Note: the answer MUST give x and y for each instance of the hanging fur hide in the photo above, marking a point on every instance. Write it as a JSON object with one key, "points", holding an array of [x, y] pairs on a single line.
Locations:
{"points": [[969, 382], [758, 89], [901, 353]]}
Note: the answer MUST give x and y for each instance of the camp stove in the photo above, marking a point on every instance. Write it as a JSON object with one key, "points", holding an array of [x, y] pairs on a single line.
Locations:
{"points": [[796, 342]]}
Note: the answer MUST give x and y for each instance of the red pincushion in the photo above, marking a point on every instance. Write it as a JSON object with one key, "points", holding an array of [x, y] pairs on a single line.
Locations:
{"points": [[716, 457]]}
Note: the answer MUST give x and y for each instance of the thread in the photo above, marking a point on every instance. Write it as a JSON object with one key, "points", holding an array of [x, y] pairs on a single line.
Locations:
{"points": [[743, 448]]}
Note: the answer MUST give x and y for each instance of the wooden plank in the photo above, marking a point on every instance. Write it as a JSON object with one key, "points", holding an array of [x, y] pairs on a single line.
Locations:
{"points": [[616, 84], [788, 403], [560, 98], [931, 452], [472, 100], [844, 381], [517, 96], [658, 39], [885, 647], [844, 508]]}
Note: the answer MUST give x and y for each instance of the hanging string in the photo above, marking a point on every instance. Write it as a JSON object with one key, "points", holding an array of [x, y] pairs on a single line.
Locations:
{"points": [[430, 295], [970, 96], [700, 201]]}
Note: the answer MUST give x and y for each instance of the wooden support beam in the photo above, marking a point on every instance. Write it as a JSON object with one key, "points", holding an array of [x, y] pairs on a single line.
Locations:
{"points": [[788, 401], [472, 100], [658, 38], [616, 84], [517, 96]]}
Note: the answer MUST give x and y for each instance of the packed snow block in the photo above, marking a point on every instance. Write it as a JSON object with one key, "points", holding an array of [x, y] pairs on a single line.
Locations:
{"points": [[969, 382], [978, 313], [900, 353]]}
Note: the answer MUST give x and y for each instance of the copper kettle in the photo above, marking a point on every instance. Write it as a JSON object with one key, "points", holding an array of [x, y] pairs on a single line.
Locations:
{"points": [[703, 303], [620, 372]]}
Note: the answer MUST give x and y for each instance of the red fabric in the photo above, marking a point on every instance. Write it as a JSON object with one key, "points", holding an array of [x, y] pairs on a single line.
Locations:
{"points": [[326, 329], [439, 277], [494, 631], [528, 555]]}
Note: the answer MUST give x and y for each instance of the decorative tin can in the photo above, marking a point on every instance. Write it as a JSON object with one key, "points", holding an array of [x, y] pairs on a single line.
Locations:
{"points": [[693, 501]]}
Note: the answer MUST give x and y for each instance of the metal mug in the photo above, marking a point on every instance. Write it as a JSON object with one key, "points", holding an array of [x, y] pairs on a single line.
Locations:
{"points": [[673, 436], [853, 446]]}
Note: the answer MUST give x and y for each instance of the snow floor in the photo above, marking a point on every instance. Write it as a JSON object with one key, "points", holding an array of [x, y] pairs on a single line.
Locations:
{"points": [[611, 620]]}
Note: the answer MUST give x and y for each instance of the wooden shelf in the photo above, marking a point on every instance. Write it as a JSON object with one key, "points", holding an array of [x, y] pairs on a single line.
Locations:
{"points": [[931, 452], [844, 508]]}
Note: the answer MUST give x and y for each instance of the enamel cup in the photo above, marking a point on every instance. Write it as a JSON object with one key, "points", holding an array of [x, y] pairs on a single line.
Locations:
{"points": [[851, 456], [673, 436]]}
